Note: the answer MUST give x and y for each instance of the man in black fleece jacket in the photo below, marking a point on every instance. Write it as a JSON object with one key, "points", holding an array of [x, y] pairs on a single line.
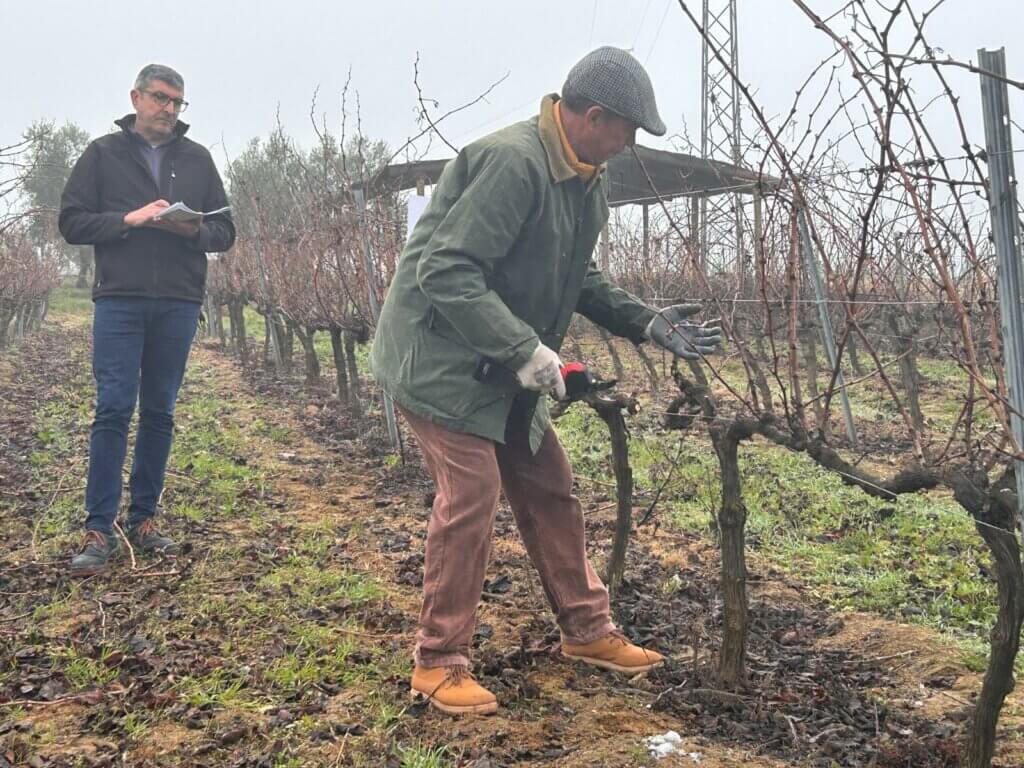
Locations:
{"points": [[149, 283]]}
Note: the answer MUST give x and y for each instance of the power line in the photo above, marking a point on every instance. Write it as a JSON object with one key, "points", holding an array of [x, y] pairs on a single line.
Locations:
{"points": [[531, 100], [668, 5], [640, 27]]}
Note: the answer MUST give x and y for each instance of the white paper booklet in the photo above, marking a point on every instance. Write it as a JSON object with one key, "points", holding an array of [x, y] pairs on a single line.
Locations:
{"points": [[179, 212]]}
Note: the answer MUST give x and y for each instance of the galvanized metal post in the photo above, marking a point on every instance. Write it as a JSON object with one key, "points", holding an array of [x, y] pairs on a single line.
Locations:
{"points": [[371, 290], [1002, 201], [827, 334]]}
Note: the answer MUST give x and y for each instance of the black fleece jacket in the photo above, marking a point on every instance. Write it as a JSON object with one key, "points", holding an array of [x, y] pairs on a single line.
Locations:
{"points": [[110, 179]]}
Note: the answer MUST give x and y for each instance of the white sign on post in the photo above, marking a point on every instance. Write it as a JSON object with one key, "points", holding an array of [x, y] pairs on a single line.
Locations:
{"points": [[417, 205]]}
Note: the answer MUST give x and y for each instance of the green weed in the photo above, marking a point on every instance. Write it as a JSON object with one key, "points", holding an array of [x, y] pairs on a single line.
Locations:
{"points": [[83, 672], [306, 584], [420, 756], [219, 688]]}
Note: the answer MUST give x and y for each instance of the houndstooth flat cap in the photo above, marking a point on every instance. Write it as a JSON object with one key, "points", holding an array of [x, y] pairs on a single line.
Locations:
{"points": [[614, 79]]}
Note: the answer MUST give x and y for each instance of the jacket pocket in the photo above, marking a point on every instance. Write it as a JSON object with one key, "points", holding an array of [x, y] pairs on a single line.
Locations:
{"points": [[441, 372]]}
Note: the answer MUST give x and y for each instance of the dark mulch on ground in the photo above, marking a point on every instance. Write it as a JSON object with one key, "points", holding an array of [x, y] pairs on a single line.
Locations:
{"points": [[801, 701], [43, 363]]}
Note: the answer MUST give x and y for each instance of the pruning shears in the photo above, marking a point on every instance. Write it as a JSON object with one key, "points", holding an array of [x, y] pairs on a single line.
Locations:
{"points": [[580, 382]]}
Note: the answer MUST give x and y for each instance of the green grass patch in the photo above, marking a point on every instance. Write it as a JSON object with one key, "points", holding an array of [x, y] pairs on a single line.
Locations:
{"points": [[136, 725], [318, 654], [61, 428], [305, 584], [211, 452], [219, 688], [272, 432], [311, 664], [918, 558], [69, 300], [83, 672], [422, 756]]}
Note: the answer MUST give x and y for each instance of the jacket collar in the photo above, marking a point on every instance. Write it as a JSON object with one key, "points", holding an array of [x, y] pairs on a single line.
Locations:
{"points": [[127, 124], [548, 130], [547, 127]]}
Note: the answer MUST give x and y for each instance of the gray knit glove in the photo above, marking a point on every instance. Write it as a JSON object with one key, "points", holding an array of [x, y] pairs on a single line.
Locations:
{"points": [[670, 330]]}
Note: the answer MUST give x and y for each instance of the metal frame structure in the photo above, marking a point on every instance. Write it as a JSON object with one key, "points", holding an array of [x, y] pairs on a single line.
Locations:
{"points": [[673, 174], [721, 216]]}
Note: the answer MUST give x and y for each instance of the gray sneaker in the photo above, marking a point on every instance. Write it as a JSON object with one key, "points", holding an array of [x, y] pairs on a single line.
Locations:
{"points": [[144, 537], [99, 551]]}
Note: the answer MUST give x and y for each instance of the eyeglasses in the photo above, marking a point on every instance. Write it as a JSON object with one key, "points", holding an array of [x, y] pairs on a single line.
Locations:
{"points": [[162, 99]]}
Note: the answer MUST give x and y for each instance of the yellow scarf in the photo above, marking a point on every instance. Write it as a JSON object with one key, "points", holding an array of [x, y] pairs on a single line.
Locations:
{"points": [[584, 170]]}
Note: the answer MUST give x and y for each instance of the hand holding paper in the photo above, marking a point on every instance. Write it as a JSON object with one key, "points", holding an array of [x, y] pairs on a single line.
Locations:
{"points": [[179, 212], [142, 216]]}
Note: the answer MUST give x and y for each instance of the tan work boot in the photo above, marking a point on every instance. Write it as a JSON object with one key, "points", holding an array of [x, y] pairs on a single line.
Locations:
{"points": [[615, 652], [452, 690]]}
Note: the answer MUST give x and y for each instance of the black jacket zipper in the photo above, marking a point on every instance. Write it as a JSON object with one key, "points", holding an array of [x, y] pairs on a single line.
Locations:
{"points": [[134, 152]]}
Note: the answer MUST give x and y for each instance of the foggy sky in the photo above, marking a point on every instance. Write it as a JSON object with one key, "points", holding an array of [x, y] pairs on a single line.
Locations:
{"points": [[246, 62]]}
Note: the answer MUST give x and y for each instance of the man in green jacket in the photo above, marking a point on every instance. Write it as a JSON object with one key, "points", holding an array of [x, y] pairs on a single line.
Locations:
{"points": [[467, 345]]}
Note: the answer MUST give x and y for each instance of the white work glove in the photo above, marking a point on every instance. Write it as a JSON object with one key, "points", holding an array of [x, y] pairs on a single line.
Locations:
{"points": [[542, 372], [670, 330]]}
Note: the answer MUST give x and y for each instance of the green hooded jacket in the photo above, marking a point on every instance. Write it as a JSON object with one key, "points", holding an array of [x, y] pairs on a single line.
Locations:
{"points": [[499, 260]]}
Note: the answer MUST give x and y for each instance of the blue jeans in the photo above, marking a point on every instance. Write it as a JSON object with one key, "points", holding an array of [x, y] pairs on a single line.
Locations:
{"points": [[140, 347]]}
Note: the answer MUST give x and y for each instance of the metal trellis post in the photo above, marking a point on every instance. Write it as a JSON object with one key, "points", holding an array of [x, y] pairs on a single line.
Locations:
{"points": [[1002, 200], [827, 334]]}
